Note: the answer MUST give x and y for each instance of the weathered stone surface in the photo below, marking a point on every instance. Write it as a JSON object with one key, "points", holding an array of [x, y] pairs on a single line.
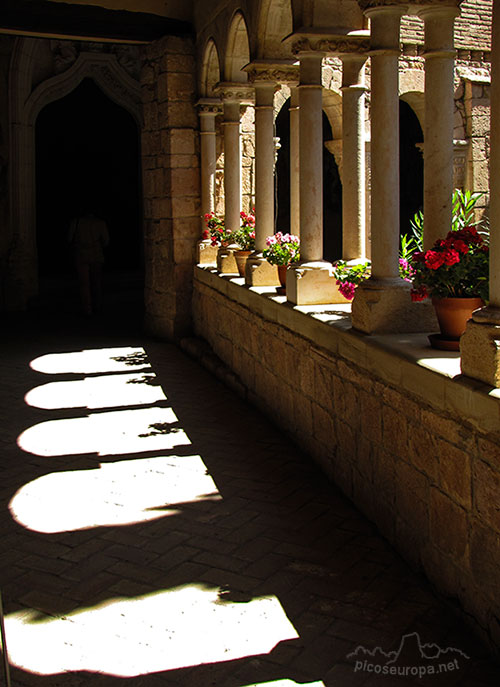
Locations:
{"points": [[448, 525], [486, 493], [455, 472]]}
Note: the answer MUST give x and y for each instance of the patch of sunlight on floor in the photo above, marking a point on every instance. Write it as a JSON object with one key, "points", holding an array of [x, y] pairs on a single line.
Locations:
{"points": [[109, 433], [121, 493], [106, 391], [92, 361], [176, 628], [285, 683]]}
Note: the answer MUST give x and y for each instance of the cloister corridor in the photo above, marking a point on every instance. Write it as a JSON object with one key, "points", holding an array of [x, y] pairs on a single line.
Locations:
{"points": [[159, 531]]}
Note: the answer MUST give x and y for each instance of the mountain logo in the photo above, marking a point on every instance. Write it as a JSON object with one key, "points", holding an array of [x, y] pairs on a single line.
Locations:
{"points": [[412, 658]]}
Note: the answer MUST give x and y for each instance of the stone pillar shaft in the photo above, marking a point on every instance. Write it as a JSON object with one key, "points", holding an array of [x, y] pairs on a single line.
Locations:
{"points": [[264, 163], [385, 23], [208, 161], [232, 164], [311, 156], [353, 158], [294, 163], [438, 134]]}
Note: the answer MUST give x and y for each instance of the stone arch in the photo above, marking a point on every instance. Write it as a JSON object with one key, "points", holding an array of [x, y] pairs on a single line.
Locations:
{"points": [[274, 23], [210, 69], [237, 50], [411, 91], [344, 15], [411, 170], [26, 103]]}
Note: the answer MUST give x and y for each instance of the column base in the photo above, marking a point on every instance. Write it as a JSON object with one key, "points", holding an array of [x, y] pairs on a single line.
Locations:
{"points": [[480, 347], [259, 272], [311, 283], [384, 306], [226, 262], [206, 254]]}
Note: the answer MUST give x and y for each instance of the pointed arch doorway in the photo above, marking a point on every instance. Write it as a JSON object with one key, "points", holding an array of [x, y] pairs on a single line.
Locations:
{"points": [[87, 155]]}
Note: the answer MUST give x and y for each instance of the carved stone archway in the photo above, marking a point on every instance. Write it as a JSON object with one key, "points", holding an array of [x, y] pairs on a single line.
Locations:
{"points": [[26, 104]]}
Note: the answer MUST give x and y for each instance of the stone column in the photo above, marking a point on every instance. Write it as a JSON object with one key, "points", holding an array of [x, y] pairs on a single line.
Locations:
{"points": [[258, 271], [233, 96], [208, 109], [311, 281], [353, 158], [294, 162], [439, 108], [382, 303], [480, 345], [265, 77]]}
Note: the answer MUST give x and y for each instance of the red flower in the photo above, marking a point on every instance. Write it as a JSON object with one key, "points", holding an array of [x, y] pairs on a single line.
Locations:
{"points": [[419, 294], [418, 257], [433, 260], [451, 257], [461, 246]]}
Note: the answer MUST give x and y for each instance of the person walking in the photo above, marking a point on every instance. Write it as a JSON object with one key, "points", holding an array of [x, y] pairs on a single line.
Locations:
{"points": [[88, 237]]}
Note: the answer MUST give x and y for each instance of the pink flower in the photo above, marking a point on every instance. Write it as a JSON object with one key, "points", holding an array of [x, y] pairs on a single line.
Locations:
{"points": [[347, 289]]}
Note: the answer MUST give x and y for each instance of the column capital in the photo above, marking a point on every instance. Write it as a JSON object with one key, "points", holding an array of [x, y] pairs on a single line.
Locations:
{"points": [[273, 72], [209, 106], [438, 10], [331, 43], [232, 92]]}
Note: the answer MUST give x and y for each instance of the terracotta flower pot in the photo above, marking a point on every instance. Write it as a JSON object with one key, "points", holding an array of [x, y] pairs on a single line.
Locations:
{"points": [[241, 257], [452, 315], [282, 275]]}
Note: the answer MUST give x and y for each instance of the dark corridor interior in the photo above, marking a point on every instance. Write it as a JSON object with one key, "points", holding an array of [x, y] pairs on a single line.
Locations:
{"points": [[87, 156], [411, 166], [332, 187]]}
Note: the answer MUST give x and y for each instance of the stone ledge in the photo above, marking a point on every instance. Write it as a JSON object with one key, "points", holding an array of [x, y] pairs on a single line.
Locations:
{"points": [[403, 360]]}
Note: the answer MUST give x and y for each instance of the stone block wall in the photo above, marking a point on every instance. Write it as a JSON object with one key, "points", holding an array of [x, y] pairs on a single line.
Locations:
{"points": [[171, 183], [472, 27], [418, 452]]}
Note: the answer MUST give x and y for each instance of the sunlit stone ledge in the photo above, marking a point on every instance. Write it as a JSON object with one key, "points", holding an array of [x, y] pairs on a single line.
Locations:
{"points": [[406, 361]]}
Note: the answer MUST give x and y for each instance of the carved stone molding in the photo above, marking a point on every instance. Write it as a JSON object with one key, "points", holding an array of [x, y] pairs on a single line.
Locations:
{"points": [[332, 45], [280, 72], [66, 53], [235, 92], [209, 106]]}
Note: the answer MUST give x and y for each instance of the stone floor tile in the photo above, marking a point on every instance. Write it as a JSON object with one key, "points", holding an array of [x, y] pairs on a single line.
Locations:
{"points": [[276, 533]]}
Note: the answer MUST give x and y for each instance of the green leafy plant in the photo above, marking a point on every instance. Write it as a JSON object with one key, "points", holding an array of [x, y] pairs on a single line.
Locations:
{"points": [[282, 249]]}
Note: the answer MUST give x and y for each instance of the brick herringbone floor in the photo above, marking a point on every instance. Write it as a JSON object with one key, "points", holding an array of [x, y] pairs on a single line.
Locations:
{"points": [[158, 531]]}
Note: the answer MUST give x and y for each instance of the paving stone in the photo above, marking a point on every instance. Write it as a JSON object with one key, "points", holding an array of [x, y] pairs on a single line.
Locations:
{"points": [[277, 531]]}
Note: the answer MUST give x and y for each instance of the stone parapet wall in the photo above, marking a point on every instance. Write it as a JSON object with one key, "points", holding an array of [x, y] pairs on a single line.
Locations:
{"points": [[416, 450], [171, 183]]}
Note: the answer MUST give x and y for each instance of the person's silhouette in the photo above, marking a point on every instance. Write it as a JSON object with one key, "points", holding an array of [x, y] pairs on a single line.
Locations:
{"points": [[88, 236]]}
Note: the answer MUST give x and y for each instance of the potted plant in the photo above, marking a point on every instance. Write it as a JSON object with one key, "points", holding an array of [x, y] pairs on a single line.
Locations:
{"points": [[454, 273], [216, 230], [349, 276], [244, 237], [282, 250]]}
